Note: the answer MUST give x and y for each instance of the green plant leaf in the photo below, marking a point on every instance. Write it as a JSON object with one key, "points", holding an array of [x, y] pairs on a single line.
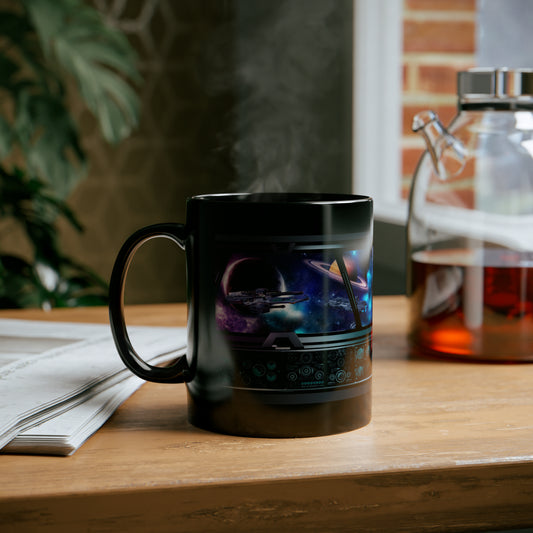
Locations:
{"points": [[14, 26], [6, 137], [42, 44], [49, 140], [52, 279], [22, 54], [8, 68], [27, 201], [19, 287], [97, 56]]}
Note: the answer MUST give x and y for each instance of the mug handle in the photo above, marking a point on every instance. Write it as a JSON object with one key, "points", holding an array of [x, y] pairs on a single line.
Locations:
{"points": [[179, 371]]}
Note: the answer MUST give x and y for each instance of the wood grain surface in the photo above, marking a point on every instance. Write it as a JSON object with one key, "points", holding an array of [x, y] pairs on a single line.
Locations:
{"points": [[450, 447]]}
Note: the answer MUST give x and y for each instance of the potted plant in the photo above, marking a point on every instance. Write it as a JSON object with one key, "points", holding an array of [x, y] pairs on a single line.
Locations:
{"points": [[47, 49]]}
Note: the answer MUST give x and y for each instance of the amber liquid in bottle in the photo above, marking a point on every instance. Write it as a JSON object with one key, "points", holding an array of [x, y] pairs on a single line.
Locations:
{"points": [[472, 304]]}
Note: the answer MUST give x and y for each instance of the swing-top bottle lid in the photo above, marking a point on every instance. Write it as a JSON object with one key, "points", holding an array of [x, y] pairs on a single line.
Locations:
{"points": [[496, 87]]}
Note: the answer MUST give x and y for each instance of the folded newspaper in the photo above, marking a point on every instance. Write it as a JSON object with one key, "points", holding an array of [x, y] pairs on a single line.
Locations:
{"points": [[59, 382]]}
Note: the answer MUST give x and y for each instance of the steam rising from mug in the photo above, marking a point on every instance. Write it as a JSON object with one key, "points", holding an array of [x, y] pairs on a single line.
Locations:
{"points": [[288, 65]]}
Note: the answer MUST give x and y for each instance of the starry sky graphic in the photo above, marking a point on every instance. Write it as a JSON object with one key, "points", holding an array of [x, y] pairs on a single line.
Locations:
{"points": [[327, 307]]}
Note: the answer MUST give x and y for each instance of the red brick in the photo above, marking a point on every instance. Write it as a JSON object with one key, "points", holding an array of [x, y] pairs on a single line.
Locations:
{"points": [[453, 196], [439, 36], [410, 158], [437, 79], [441, 5]]}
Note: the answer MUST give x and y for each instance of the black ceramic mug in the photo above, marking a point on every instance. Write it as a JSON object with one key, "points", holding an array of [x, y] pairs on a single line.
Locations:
{"points": [[279, 312]]}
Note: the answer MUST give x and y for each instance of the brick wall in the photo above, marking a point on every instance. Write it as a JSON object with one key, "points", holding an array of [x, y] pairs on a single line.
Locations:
{"points": [[439, 41]]}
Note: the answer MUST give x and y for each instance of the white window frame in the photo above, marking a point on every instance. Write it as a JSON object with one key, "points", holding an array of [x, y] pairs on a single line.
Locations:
{"points": [[377, 105]]}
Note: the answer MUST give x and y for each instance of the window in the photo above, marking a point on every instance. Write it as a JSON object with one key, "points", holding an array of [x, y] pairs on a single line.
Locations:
{"points": [[406, 56], [377, 106]]}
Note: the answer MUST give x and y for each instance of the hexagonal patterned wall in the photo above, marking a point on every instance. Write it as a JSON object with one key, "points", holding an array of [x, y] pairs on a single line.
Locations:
{"points": [[236, 95], [173, 155]]}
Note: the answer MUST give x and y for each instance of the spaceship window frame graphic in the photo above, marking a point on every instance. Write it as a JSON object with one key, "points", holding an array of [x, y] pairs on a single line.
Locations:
{"points": [[308, 290]]}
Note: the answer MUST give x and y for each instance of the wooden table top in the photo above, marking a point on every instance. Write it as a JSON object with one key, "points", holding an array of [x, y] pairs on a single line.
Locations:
{"points": [[450, 447]]}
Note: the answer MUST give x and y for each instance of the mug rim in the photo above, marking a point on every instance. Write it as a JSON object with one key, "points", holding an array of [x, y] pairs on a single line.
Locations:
{"points": [[302, 198]]}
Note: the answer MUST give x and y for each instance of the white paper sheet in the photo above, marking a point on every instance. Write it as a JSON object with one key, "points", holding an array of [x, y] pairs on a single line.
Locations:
{"points": [[59, 382]]}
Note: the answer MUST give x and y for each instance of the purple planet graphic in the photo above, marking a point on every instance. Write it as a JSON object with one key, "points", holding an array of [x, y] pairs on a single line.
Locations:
{"points": [[260, 294], [254, 298], [247, 276]]}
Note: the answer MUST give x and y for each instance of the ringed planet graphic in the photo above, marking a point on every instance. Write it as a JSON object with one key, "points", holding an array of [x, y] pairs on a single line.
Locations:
{"points": [[332, 271]]}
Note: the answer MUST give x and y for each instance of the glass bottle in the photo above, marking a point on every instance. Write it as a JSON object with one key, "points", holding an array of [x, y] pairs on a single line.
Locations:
{"points": [[470, 226]]}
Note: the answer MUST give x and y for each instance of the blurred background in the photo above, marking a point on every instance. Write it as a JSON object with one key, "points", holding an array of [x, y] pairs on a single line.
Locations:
{"points": [[240, 95], [237, 96]]}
